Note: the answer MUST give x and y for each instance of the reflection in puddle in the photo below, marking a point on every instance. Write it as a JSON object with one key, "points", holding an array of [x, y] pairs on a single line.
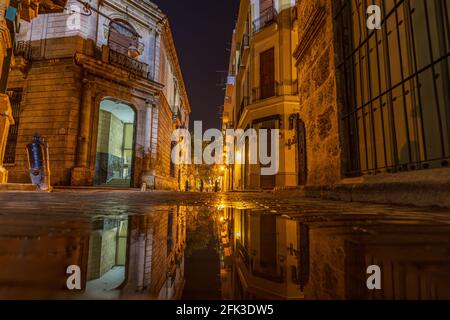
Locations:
{"points": [[179, 252], [107, 254], [268, 256]]}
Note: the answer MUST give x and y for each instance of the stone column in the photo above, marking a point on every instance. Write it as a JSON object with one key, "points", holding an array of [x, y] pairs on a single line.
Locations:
{"points": [[6, 119], [81, 174], [5, 42], [148, 174], [148, 133]]}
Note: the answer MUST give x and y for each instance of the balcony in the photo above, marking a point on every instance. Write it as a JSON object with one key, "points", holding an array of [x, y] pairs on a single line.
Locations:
{"points": [[245, 102], [135, 67], [243, 51], [276, 89], [30, 9], [23, 49], [23, 56], [266, 18]]}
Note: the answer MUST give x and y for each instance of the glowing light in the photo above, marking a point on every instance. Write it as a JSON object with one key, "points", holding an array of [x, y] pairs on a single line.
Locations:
{"points": [[238, 157]]}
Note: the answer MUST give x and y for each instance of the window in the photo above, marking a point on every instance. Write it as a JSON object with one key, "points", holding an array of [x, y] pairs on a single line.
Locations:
{"points": [[267, 74], [267, 15], [15, 97], [395, 85], [172, 164], [264, 6], [122, 37]]}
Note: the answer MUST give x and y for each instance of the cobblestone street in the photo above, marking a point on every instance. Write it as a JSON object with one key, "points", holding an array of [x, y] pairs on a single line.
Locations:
{"points": [[281, 245], [93, 202]]}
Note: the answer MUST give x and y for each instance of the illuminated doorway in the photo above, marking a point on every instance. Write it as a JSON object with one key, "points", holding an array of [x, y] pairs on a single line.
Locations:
{"points": [[115, 144], [107, 254]]}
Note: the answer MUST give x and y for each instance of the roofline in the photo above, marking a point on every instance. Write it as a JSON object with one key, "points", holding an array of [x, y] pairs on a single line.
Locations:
{"points": [[170, 45]]}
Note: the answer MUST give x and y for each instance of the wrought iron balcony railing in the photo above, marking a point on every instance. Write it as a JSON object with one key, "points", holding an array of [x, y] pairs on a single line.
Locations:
{"points": [[245, 102], [245, 44], [23, 49], [267, 17], [134, 67], [243, 254], [275, 89]]}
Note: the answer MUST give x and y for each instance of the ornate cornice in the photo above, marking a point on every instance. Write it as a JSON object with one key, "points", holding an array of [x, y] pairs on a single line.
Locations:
{"points": [[311, 29], [5, 36], [169, 44], [116, 74]]}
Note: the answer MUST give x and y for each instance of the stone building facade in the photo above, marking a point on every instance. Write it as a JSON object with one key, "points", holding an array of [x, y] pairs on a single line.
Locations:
{"points": [[372, 109], [314, 56], [375, 102], [141, 256], [262, 89], [11, 53], [105, 89]]}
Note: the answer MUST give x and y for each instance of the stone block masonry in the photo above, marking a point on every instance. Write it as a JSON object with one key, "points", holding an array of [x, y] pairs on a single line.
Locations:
{"points": [[50, 106], [317, 91]]}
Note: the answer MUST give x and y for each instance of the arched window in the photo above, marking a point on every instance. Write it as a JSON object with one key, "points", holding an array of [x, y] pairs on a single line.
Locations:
{"points": [[122, 37]]}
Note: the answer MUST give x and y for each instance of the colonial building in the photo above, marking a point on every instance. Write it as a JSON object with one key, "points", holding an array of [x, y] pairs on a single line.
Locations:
{"points": [[132, 257], [372, 106], [262, 256], [11, 13], [262, 88], [102, 84]]}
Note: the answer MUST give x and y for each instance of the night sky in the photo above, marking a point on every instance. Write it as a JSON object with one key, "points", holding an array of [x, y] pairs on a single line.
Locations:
{"points": [[202, 31]]}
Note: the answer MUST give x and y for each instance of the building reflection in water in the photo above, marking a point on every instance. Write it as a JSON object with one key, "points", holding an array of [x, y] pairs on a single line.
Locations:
{"points": [[261, 256], [267, 256], [230, 254], [127, 257]]}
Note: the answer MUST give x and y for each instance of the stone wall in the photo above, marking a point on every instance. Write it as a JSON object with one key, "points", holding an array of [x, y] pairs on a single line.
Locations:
{"points": [[95, 27], [61, 95], [317, 90], [50, 106], [149, 259], [38, 261], [163, 159]]}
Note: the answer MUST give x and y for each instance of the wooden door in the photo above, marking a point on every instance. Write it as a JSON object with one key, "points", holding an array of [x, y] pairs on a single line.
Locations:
{"points": [[301, 143], [267, 74]]}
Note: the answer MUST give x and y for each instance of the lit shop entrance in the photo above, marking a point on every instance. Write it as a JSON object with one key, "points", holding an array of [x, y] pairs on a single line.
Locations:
{"points": [[115, 144]]}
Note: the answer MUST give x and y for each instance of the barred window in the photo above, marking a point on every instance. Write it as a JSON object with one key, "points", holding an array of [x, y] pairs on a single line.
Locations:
{"points": [[394, 84], [15, 98]]}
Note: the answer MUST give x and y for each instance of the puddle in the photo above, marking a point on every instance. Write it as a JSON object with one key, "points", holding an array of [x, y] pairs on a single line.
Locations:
{"points": [[187, 252]]}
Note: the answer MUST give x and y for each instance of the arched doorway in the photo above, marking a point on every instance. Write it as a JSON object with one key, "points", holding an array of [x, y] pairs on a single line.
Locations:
{"points": [[115, 144]]}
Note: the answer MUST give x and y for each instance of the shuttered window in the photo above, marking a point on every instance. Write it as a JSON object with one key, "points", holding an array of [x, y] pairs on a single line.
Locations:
{"points": [[267, 73]]}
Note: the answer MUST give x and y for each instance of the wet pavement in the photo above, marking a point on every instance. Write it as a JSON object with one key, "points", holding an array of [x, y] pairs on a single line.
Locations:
{"points": [[162, 245]]}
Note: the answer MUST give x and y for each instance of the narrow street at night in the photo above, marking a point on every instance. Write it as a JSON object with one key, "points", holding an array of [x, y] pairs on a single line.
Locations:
{"points": [[204, 159], [221, 246]]}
